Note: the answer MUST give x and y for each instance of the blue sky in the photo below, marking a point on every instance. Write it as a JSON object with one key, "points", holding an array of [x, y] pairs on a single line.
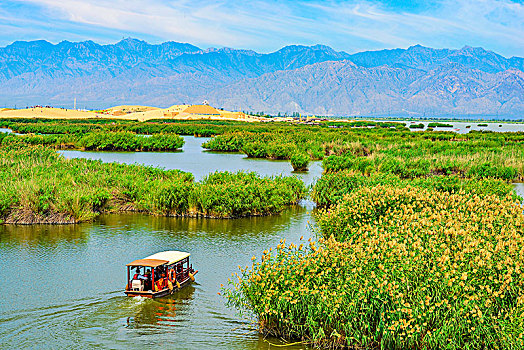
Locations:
{"points": [[266, 26]]}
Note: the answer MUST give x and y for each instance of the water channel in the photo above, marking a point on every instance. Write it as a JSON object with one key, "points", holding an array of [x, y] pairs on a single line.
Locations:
{"points": [[62, 286]]}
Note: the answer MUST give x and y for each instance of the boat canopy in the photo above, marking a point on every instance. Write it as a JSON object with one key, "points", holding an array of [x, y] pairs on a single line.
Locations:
{"points": [[172, 256], [148, 262], [168, 257]]}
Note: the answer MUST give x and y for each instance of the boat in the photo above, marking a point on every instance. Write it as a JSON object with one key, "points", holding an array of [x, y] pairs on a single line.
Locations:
{"points": [[159, 275]]}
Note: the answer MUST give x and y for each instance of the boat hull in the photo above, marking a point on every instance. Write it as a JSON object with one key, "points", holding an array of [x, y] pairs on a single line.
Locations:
{"points": [[158, 294]]}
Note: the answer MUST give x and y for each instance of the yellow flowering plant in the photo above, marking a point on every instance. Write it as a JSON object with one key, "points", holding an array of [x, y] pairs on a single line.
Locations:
{"points": [[397, 268]]}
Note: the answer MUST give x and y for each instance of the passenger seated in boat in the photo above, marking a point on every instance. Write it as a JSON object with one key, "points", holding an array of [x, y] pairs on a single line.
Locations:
{"points": [[147, 282], [139, 276]]}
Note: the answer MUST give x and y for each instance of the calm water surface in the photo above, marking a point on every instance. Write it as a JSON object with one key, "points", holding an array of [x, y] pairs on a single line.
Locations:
{"points": [[465, 127], [62, 286], [194, 159]]}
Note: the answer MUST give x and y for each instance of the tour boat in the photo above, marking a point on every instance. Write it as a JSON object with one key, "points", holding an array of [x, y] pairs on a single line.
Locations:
{"points": [[159, 274]]}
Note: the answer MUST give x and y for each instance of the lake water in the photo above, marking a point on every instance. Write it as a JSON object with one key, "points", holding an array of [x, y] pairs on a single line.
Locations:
{"points": [[465, 127], [62, 286], [194, 159]]}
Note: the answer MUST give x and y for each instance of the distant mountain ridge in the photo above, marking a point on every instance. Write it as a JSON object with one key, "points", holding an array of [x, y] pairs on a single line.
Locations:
{"points": [[417, 81]]}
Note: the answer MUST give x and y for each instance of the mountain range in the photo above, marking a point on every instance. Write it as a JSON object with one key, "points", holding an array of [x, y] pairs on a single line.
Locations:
{"points": [[418, 81]]}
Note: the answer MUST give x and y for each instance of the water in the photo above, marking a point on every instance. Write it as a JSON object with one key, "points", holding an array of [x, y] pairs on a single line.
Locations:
{"points": [[194, 159], [461, 127], [519, 190], [63, 285]]}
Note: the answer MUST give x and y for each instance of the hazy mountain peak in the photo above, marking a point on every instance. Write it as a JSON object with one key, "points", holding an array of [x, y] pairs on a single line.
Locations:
{"points": [[229, 50], [308, 79], [419, 47], [28, 44], [131, 43], [300, 48]]}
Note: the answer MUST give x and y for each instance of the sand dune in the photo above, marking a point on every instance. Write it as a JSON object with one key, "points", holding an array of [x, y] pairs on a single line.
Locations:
{"points": [[49, 113], [129, 112]]}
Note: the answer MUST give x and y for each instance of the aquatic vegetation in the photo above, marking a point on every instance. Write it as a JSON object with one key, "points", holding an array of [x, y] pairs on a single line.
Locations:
{"points": [[388, 150], [127, 141], [389, 147], [300, 162], [417, 126], [396, 268], [331, 188], [226, 194], [41, 186], [439, 125], [476, 159], [100, 141]]}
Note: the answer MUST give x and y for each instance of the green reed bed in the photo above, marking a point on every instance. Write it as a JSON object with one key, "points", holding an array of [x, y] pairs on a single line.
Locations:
{"points": [[501, 164], [100, 141], [397, 268], [395, 151], [180, 127], [388, 148], [439, 125], [300, 162], [41, 186], [332, 187], [417, 126]]}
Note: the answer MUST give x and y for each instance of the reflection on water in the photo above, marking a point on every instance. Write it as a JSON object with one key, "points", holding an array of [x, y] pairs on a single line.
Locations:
{"points": [[38, 235], [65, 283], [161, 311]]}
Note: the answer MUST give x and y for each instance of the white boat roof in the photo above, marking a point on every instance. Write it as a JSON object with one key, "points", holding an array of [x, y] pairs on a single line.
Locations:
{"points": [[172, 256]]}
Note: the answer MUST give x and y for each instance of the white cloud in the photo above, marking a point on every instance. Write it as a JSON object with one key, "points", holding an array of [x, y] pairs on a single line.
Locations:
{"points": [[268, 25]]}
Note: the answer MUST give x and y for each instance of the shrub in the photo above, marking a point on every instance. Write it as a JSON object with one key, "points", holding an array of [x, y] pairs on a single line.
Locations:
{"points": [[330, 189], [300, 162], [417, 126], [487, 169], [335, 163]]}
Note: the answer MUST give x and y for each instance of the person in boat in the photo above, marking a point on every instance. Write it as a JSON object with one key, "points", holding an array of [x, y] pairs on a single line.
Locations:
{"points": [[138, 275], [160, 277], [147, 283]]}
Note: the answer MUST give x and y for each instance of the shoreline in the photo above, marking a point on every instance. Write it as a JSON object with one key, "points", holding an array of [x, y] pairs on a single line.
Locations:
{"points": [[26, 218]]}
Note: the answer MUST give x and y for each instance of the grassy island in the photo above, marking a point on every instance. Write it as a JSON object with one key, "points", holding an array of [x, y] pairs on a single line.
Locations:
{"points": [[391, 150], [396, 268], [100, 141], [406, 256], [41, 186]]}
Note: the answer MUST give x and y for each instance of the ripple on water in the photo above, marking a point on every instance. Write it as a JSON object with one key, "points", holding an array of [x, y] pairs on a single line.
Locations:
{"points": [[66, 282]]}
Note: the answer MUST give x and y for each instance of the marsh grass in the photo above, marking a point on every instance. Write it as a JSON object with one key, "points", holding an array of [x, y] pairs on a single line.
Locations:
{"points": [[41, 186], [331, 188], [397, 268], [99, 141], [300, 162], [390, 147]]}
